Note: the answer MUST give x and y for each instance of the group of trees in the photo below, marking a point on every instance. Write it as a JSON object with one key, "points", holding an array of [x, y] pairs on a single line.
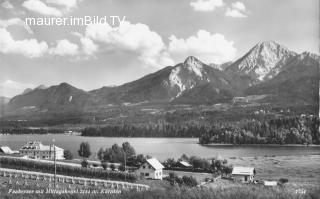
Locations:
{"points": [[199, 165], [288, 130], [25, 130], [283, 130], [163, 130], [116, 153], [121, 154]]}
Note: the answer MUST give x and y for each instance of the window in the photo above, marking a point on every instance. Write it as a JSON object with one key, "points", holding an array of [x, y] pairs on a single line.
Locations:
{"points": [[149, 167], [144, 167], [147, 174], [245, 178]]}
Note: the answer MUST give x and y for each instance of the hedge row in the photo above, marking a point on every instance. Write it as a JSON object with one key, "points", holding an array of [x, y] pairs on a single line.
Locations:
{"points": [[30, 165], [197, 170]]}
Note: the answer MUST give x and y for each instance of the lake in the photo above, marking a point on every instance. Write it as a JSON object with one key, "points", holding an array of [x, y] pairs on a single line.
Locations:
{"points": [[160, 148]]}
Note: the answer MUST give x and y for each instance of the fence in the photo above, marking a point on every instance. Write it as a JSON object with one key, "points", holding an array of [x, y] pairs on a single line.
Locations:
{"points": [[71, 180]]}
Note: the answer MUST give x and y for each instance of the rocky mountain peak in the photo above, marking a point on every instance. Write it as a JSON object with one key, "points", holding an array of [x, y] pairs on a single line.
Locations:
{"points": [[41, 87], [194, 65], [261, 60], [191, 61]]}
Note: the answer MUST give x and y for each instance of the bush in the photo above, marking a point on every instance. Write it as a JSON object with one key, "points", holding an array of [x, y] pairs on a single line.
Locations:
{"points": [[112, 167], [184, 181], [84, 164], [67, 155], [121, 168], [189, 181], [104, 166], [283, 180]]}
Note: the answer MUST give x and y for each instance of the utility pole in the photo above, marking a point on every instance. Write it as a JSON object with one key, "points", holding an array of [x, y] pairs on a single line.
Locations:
{"points": [[125, 161], [55, 165]]}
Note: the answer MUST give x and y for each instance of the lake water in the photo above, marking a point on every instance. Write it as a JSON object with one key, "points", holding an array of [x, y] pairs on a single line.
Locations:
{"points": [[161, 148]]}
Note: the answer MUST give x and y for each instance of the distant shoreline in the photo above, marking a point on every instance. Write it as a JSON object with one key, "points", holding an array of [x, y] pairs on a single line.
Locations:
{"points": [[284, 145]]}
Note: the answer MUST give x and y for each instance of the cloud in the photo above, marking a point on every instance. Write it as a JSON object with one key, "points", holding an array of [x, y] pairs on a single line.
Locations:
{"points": [[9, 22], [41, 8], [206, 5], [68, 4], [15, 21], [210, 48], [7, 5], [237, 10], [10, 88], [239, 5], [88, 46], [132, 38], [28, 47], [64, 48]]}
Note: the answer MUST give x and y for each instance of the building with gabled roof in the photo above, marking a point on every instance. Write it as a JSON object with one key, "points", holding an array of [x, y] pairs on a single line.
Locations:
{"points": [[6, 150], [36, 150], [243, 174], [184, 164], [151, 169]]}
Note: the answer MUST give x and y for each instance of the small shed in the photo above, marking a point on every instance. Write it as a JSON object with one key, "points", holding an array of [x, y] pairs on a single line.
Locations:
{"points": [[184, 164], [270, 183], [243, 174], [6, 150], [151, 169]]}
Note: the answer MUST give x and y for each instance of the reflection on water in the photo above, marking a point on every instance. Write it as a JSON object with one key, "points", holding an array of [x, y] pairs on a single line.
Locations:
{"points": [[160, 148]]}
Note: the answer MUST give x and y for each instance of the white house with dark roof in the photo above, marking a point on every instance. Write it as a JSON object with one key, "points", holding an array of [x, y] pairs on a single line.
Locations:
{"points": [[151, 169], [243, 174], [36, 150]]}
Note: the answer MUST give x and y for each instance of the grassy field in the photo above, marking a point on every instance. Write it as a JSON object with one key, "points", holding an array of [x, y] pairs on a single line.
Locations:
{"points": [[303, 173], [301, 170]]}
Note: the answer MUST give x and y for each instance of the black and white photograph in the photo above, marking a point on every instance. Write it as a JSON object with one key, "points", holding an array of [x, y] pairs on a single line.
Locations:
{"points": [[159, 99]]}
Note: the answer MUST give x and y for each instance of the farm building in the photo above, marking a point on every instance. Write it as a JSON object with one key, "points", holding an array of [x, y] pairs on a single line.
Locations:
{"points": [[270, 183], [243, 174], [6, 150], [36, 150], [184, 164], [151, 169]]}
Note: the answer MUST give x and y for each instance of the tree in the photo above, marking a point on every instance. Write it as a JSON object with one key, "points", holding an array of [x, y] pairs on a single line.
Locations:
{"points": [[84, 150], [67, 154], [170, 162], [101, 154], [128, 149], [112, 167], [140, 159]]}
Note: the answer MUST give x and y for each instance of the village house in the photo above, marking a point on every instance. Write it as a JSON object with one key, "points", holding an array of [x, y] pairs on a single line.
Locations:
{"points": [[243, 174], [36, 150], [151, 169]]}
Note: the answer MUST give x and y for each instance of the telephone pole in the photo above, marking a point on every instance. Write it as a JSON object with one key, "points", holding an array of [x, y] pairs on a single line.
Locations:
{"points": [[55, 165]]}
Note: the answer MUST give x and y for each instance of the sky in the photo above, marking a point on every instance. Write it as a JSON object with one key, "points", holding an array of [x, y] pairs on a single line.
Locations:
{"points": [[154, 34]]}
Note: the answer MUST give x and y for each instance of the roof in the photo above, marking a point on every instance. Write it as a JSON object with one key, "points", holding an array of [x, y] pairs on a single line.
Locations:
{"points": [[186, 164], [36, 145], [270, 183], [155, 163], [243, 171], [6, 149]]}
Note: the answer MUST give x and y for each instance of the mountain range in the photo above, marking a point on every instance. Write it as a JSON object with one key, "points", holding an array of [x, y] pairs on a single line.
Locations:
{"points": [[267, 69]]}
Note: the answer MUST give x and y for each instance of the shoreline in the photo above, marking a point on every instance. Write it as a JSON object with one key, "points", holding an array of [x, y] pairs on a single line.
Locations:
{"points": [[273, 145]]}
